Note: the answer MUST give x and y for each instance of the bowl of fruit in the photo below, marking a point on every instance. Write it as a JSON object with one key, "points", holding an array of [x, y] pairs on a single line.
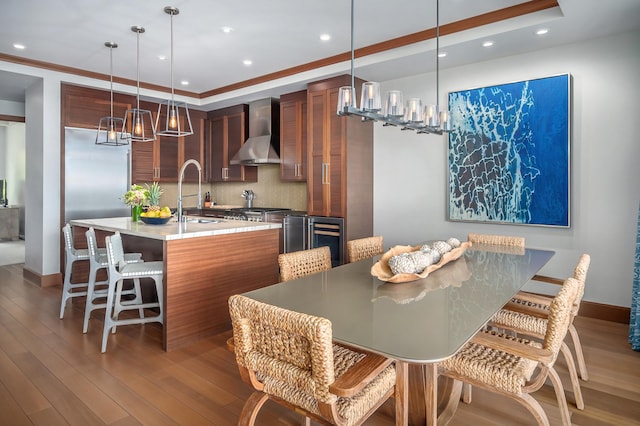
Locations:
{"points": [[156, 217]]}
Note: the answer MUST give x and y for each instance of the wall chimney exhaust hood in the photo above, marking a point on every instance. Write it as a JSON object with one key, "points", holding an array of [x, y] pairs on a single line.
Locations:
{"points": [[263, 145]]}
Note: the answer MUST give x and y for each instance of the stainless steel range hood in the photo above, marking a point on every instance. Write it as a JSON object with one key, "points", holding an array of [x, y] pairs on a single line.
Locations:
{"points": [[263, 145]]}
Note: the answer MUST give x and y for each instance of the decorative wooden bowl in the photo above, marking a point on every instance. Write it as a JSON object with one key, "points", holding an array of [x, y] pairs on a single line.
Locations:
{"points": [[382, 271]]}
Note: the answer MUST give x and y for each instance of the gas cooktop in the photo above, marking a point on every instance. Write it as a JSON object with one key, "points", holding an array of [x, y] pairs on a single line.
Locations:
{"points": [[258, 209]]}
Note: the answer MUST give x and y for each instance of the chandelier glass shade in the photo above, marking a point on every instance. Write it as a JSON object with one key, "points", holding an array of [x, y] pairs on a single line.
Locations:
{"points": [[173, 117], [138, 124], [411, 115], [108, 127]]}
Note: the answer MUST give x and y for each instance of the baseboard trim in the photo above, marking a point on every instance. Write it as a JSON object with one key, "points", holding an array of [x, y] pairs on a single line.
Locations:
{"points": [[42, 280], [618, 314]]}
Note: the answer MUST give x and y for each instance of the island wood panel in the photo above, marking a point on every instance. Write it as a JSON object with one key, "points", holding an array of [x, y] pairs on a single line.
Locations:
{"points": [[200, 275]]}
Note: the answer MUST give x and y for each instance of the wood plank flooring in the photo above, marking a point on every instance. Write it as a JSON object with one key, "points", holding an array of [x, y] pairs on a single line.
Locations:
{"points": [[52, 374]]}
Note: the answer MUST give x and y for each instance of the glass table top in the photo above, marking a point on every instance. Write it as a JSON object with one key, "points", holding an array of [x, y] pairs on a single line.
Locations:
{"points": [[419, 321]]}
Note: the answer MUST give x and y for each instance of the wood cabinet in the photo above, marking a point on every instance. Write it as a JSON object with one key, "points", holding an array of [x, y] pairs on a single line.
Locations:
{"points": [[340, 160], [293, 136], [160, 160], [228, 129], [84, 107]]}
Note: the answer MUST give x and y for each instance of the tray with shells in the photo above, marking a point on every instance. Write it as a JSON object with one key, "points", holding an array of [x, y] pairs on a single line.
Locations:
{"points": [[384, 272]]}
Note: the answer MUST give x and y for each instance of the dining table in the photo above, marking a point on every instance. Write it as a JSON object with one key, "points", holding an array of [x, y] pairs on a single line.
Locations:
{"points": [[417, 323]]}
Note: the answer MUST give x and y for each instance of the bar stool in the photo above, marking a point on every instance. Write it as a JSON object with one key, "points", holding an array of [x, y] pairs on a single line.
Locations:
{"points": [[72, 254], [98, 260], [119, 271]]}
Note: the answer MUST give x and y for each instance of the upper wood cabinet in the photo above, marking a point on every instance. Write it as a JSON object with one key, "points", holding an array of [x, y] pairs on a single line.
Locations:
{"points": [[161, 160], [84, 107], [228, 129], [340, 160], [293, 136]]}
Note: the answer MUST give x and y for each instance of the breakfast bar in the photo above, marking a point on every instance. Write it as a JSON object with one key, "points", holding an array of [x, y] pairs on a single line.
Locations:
{"points": [[205, 261]]}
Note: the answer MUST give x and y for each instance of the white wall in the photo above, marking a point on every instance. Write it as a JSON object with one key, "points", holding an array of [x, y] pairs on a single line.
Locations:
{"points": [[410, 176]]}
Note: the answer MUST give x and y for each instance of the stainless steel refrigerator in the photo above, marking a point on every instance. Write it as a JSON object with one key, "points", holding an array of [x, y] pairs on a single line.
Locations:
{"points": [[95, 176]]}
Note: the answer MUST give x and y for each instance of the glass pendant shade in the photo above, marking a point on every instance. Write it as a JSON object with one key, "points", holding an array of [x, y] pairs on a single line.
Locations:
{"points": [[138, 124], [431, 115], [108, 127], [174, 116], [370, 96], [345, 99], [394, 105], [413, 112], [445, 121]]}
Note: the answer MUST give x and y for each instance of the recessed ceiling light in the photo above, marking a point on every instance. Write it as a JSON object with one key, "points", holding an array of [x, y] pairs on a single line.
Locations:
{"points": [[542, 31], [325, 37], [162, 57], [226, 30], [19, 46], [184, 82], [487, 44], [247, 62], [442, 54]]}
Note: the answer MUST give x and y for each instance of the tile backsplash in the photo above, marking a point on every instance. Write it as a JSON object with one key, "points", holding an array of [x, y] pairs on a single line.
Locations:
{"points": [[270, 191]]}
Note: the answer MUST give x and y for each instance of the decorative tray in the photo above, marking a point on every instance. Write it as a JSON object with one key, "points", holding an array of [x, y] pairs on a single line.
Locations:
{"points": [[382, 271]]}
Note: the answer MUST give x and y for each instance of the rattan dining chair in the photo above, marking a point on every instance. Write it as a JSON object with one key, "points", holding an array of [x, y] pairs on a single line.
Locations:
{"points": [[305, 262], [514, 366], [364, 248], [289, 357], [527, 314], [497, 240]]}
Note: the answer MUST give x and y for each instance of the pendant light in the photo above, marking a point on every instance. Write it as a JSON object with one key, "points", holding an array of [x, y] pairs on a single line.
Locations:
{"points": [[174, 123], [140, 121], [411, 116], [108, 133]]}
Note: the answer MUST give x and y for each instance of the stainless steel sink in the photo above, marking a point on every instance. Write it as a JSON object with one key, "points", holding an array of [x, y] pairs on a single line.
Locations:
{"points": [[201, 220]]}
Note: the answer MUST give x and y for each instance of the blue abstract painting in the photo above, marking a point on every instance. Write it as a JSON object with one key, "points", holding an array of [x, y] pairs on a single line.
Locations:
{"points": [[509, 153]]}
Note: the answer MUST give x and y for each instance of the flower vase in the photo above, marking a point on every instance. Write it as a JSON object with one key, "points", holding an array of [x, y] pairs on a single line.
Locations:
{"points": [[135, 213]]}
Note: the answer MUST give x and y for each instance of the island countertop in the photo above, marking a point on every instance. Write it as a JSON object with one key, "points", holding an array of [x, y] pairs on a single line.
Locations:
{"points": [[174, 230]]}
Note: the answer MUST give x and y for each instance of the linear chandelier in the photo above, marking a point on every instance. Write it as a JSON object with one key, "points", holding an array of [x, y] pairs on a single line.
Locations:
{"points": [[108, 126], [411, 115], [141, 122], [174, 124]]}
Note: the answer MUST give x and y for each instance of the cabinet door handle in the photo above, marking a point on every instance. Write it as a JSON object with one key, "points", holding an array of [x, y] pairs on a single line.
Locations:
{"points": [[327, 177], [323, 168]]}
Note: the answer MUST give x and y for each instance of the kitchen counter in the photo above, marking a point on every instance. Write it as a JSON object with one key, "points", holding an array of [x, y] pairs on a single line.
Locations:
{"points": [[204, 264], [173, 230]]}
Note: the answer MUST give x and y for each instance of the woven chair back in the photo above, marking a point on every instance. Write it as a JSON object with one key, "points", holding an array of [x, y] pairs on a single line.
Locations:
{"points": [[498, 240], [364, 248], [560, 315], [286, 349], [302, 263]]}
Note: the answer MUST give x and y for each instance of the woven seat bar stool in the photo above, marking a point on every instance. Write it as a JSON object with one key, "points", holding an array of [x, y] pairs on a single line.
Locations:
{"points": [[98, 260], [513, 366], [527, 315], [289, 358], [305, 262], [71, 255], [119, 271], [364, 248]]}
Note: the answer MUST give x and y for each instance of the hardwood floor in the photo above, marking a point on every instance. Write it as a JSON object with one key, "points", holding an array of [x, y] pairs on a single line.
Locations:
{"points": [[52, 374]]}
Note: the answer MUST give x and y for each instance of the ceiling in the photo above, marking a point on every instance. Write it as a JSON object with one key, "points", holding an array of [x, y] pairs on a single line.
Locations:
{"points": [[280, 35]]}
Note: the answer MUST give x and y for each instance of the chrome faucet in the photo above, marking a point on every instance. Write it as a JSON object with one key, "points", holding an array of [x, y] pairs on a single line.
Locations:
{"points": [[181, 176]]}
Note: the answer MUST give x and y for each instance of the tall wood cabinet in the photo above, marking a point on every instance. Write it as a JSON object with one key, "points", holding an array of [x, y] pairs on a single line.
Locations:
{"points": [[340, 160], [228, 129], [293, 136], [160, 160]]}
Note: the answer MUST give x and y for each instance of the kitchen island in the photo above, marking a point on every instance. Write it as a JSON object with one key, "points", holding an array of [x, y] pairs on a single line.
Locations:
{"points": [[205, 261]]}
